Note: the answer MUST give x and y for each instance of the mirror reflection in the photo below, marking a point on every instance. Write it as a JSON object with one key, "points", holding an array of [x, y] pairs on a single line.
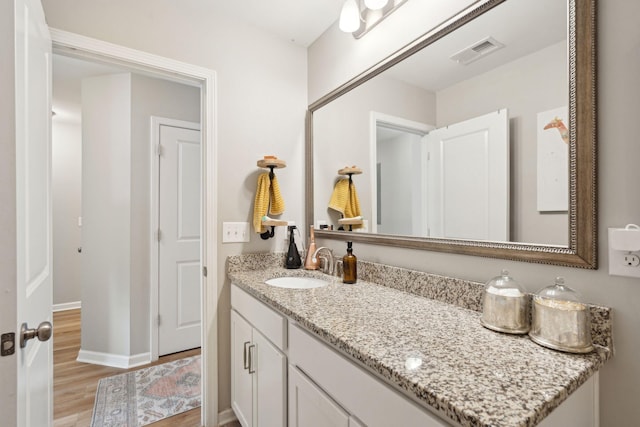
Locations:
{"points": [[466, 139]]}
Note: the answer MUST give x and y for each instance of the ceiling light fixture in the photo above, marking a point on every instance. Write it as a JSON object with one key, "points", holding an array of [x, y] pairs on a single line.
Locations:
{"points": [[350, 16], [358, 17], [375, 4]]}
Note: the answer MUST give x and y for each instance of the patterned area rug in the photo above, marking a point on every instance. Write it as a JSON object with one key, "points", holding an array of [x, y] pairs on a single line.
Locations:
{"points": [[147, 395]]}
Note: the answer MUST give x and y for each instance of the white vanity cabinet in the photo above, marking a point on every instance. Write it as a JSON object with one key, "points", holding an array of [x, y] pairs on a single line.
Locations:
{"points": [[360, 395], [258, 364]]}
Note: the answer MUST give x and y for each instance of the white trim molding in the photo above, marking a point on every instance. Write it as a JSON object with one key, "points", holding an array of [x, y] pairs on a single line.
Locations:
{"points": [[79, 46], [227, 416], [66, 306], [113, 360]]}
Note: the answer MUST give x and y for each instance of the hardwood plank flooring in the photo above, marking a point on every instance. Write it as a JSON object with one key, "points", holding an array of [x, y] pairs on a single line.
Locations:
{"points": [[75, 383]]}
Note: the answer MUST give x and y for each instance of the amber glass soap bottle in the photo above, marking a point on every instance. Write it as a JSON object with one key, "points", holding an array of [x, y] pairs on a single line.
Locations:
{"points": [[349, 265]]}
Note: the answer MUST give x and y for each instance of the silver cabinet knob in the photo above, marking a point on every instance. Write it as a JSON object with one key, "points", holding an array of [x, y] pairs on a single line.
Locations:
{"points": [[43, 333]]}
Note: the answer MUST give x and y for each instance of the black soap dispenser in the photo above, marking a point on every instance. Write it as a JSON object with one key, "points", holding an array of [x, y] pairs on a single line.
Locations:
{"points": [[293, 256], [349, 265]]}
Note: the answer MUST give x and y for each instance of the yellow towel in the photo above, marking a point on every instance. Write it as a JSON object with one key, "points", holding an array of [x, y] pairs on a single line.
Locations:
{"points": [[344, 199], [267, 190]]}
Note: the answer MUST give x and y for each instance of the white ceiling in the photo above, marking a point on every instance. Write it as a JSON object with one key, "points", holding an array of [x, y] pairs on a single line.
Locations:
{"points": [[300, 21]]}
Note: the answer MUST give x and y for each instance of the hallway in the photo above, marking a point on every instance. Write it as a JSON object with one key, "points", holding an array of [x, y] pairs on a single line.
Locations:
{"points": [[75, 383]]}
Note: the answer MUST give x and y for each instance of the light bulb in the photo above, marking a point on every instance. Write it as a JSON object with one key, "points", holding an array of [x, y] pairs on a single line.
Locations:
{"points": [[375, 4], [350, 16]]}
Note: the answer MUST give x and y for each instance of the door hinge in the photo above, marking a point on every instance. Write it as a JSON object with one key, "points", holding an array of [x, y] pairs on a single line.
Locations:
{"points": [[159, 150], [204, 271], [159, 234], [159, 320]]}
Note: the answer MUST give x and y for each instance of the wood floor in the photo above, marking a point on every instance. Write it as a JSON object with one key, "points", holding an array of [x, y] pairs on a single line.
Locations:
{"points": [[75, 383]]}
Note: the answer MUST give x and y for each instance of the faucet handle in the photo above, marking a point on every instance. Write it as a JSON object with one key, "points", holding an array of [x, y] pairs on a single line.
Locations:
{"points": [[324, 263], [338, 268]]}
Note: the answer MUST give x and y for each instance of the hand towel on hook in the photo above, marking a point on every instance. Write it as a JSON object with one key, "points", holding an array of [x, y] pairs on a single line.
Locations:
{"points": [[344, 199], [268, 190]]}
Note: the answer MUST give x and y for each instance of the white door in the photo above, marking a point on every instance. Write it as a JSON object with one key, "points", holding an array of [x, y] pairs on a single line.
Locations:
{"points": [[468, 178], [179, 240], [31, 205]]}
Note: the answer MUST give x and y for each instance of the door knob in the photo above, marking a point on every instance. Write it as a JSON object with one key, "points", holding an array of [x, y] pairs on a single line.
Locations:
{"points": [[42, 332]]}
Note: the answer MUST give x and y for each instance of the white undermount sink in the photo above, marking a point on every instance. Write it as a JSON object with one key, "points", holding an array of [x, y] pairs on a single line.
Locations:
{"points": [[296, 282]]}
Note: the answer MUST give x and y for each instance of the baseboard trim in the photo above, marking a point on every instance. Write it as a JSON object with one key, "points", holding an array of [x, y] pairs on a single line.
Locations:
{"points": [[66, 306], [227, 416], [113, 360]]}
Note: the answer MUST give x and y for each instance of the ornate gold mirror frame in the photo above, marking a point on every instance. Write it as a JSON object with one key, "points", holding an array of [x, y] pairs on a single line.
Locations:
{"points": [[582, 249]]}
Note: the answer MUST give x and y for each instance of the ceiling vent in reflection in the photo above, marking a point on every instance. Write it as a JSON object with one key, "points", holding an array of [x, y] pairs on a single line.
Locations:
{"points": [[476, 51]]}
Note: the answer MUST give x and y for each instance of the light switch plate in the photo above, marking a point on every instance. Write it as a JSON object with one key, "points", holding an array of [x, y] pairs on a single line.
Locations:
{"points": [[235, 232]]}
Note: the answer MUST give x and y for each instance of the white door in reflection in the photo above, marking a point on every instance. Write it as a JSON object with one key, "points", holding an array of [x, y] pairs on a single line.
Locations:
{"points": [[468, 179]]}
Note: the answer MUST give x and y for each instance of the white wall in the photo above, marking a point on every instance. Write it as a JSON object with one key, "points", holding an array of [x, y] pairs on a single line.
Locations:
{"points": [[66, 177], [619, 201], [261, 103]]}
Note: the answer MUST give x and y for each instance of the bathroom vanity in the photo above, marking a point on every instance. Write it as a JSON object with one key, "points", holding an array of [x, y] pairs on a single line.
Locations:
{"points": [[373, 355]]}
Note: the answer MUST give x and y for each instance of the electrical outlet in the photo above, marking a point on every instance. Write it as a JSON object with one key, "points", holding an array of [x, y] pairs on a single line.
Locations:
{"points": [[631, 260], [624, 260], [234, 232]]}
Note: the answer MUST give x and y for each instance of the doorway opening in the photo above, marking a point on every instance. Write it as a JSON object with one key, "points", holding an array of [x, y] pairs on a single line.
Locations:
{"points": [[150, 66]]}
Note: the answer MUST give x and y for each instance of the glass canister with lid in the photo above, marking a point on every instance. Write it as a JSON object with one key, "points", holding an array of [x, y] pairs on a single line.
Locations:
{"points": [[560, 320], [505, 305]]}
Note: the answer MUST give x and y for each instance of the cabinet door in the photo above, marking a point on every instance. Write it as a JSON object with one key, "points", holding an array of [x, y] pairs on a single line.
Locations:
{"points": [[241, 379], [269, 366], [311, 407]]}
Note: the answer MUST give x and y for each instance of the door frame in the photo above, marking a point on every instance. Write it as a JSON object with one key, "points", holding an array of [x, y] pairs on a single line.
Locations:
{"points": [[76, 45], [375, 119], [154, 210]]}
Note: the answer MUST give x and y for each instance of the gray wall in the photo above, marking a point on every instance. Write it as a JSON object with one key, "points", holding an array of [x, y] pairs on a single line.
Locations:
{"points": [[8, 365], [106, 202], [66, 178], [619, 201]]}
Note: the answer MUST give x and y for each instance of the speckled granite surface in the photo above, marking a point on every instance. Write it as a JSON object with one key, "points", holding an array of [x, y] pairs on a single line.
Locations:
{"points": [[469, 374]]}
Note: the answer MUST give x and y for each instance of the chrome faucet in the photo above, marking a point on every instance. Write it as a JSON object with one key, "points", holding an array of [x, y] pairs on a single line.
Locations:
{"points": [[328, 265]]}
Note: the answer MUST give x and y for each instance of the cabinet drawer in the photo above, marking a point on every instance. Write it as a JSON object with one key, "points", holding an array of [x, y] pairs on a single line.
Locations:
{"points": [[270, 323], [359, 392]]}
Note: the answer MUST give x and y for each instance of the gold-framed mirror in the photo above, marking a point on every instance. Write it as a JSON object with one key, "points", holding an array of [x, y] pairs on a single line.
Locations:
{"points": [[576, 244]]}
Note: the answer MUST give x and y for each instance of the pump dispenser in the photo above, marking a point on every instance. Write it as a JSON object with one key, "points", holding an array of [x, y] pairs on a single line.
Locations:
{"points": [[293, 256], [349, 265], [309, 263]]}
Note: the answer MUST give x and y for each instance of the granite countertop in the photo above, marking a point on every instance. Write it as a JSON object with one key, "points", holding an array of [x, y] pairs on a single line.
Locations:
{"points": [[469, 374]]}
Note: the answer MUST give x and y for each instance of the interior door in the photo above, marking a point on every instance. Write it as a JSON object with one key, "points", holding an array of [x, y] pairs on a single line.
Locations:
{"points": [[33, 244], [468, 179], [179, 293]]}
